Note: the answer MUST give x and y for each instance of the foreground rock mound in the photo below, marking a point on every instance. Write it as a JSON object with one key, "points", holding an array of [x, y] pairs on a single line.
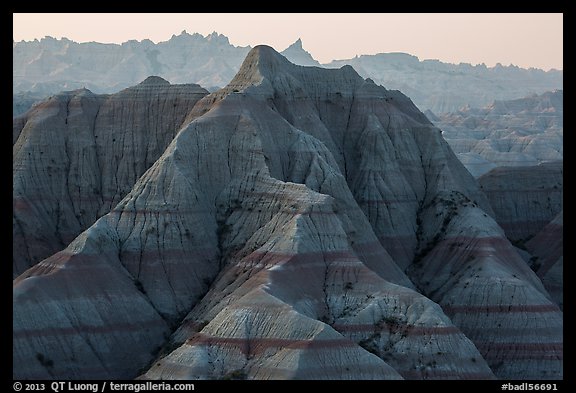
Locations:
{"points": [[272, 238], [77, 154]]}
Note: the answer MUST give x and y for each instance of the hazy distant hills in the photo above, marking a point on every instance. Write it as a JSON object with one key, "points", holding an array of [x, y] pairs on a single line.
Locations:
{"points": [[443, 87], [520, 132], [51, 65]]}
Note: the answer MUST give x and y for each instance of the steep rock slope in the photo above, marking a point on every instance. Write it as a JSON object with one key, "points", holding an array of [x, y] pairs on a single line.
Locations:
{"points": [[520, 132], [443, 87], [50, 65], [524, 199], [299, 195], [547, 248], [76, 155], [469, 268], [21, 102]]}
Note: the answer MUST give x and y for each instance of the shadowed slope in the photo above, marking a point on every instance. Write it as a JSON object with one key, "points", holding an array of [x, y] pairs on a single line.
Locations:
{"points": [[77, 155]]}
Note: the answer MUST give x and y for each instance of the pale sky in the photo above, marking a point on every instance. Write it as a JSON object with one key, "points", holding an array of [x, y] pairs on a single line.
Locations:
{"points": [[526, 40]]}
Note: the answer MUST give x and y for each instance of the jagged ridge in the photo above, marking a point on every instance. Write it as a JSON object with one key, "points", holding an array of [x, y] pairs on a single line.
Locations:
{"points": [[296, 175]]}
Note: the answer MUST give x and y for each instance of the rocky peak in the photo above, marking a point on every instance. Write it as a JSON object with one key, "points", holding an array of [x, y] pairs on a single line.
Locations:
{"points": [[296, 45], [220, 39], [154, 81], [264, 62], [297, 55], [266, 59]]}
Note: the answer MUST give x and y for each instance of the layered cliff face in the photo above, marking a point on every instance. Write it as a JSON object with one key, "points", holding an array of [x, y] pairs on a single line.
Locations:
{"points": [[524, 199], [547, 249], [520, 132], [22, 102], [76, 155], [272, 238], [51, 65]]}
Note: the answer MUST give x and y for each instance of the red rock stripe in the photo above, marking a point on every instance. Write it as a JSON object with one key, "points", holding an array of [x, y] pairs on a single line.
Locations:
{"points": [[523, 190], [300, 195], [375, 247], [177, 212], [155, 253], [21, 204], [478, 309], [257, 345], [53, 197], [192, 211], [521, 351], [90, 262], [363, 248], [385, 201], [201, 253], [442, 374], [86, 329], [519, 225], [521, 346], [306, 257], [512, 331], [410, 329], [88, 373]]}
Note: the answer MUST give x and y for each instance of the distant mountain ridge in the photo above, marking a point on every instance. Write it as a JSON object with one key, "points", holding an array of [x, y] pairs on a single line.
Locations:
{"points": [[444, 87], [51, 65]]}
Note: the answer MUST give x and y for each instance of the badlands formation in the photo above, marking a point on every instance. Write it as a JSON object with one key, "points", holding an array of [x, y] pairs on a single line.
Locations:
{"points": [[521, 132], [300, 223], [524, 199], [444, 87]]}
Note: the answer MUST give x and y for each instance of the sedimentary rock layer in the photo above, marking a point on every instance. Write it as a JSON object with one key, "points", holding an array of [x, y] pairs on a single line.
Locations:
{"points": [[547, 249], [273, 235], [78, 154], [524, 199], [521, 132]]}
